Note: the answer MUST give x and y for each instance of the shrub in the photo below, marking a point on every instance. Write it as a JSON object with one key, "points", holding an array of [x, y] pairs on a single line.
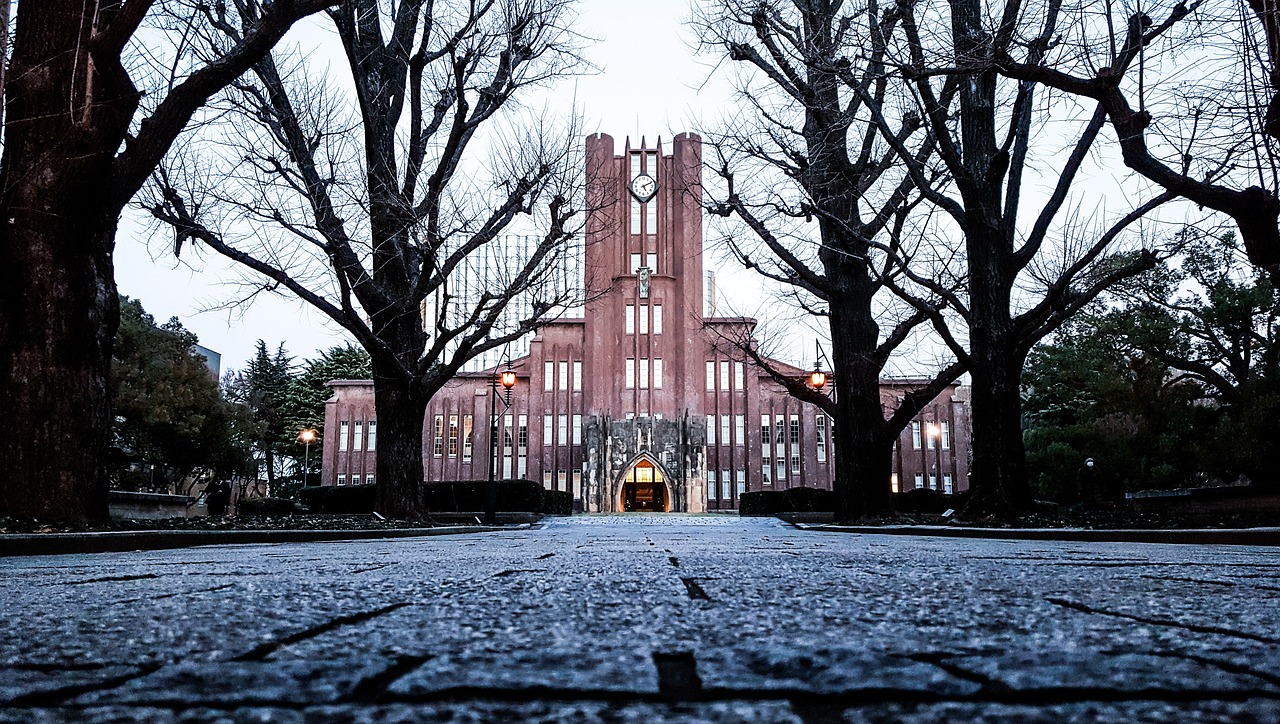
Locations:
{"points": [[760, 502], [345, 500], [809, 500], [557, 502], [266, 506], [468, 496]]}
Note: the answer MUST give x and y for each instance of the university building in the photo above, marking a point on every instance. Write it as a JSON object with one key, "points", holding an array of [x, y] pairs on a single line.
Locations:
{"points": [[639, 402]]}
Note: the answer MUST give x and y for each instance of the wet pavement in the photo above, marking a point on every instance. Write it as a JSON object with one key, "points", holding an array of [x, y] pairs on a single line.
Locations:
{"points": [[645, 618]]}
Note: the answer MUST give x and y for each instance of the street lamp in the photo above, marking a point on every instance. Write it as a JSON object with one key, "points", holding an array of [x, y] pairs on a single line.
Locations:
{"points": [[508, 380], [817, 378], [306, 437]]}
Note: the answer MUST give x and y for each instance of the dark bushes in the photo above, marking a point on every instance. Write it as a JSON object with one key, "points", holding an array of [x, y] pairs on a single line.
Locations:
{"points": [[265, 506], [455, 496], [792, 500], [346, 500]]}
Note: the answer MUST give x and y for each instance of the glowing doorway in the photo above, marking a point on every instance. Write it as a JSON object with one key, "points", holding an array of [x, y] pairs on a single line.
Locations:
{"points": [[644, 490]]}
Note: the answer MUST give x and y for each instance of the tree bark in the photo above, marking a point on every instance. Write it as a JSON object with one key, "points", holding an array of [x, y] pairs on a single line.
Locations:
{"points": [[401, 475]]}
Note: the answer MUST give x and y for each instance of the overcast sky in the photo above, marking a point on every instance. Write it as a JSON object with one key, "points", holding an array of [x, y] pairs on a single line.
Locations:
{"points": [[649, 82]]}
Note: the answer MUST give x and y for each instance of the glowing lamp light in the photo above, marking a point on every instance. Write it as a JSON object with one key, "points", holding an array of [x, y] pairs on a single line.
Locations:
{"points": [[307, 436], [508, 378], [817, 379]]}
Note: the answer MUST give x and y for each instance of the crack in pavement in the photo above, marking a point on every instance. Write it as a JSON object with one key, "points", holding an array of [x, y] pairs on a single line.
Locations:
{"points": [[262, 651], [106, 579], [1207, 582], [544, 556], [1228, 666], [374, 567], [54, 697], [940, 660], [1197, 628], [179, 593], [694, 590], [675, 562], [513, 571], [373, 689]]}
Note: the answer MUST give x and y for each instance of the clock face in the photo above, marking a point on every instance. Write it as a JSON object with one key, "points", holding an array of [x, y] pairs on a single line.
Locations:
{"points": [[644, 187]]}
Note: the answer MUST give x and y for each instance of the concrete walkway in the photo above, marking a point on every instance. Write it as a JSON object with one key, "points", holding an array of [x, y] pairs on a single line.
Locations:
{"points": [[630, 618]]}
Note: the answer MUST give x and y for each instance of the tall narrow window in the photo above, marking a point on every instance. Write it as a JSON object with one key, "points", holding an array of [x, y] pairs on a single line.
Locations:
{"points": [[782, 468], [468, 421], [726, 485], [548, 376], [630, 322], [779, 431], [711, 429], [915, 435], [931, 435], [644, 318], [711, 376], [947, 486], [724, 429], [636, 206], [630, 372], [546, 479], [651, 208], [635, 263], [357, 437], [342, 480], [453, 436], [368, 479], [820, 425], [657, 373], [946, 435], [562, 430], [893, 483], [765, 436], [651, 260], [657, 319], [712, 490], [764, 473], [724, 374], [546, 430], [739, 376], [437, 447], [577, 429], [644, 373], [577, 376], [742, 482], [342, 436], [795, 462], [919, 481], [577, 484], [795, 430], [522, 435], [562, 477], [373, 435]]}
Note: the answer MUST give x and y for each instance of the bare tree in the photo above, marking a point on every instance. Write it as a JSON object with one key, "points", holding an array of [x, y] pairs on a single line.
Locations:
{"points": [[374, 215], [74, 155], [809, 152]]}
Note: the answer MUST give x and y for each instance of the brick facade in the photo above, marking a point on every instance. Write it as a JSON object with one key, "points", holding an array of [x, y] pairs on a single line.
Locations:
{"points": [[640, 402]]}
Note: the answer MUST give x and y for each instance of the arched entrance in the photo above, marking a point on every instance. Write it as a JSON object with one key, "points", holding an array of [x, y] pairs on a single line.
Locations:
{"points": [[644, 489]]}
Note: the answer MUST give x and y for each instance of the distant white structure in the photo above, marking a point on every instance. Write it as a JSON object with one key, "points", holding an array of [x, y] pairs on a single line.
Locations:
{"points": [[492, 269]]}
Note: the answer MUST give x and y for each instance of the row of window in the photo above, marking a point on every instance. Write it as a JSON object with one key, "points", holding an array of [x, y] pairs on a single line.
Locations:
{"points": [[630, 323], [355, 479], [560, 480], [549, 376], [725, 490], [352, 435], [948, 486], [637, 376], [739, 375], [562, 427], [649, 261], [933, 433], [441, 443]]}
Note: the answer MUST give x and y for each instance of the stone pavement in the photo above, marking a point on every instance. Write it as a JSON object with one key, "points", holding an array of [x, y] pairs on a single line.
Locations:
{"points": [[632, 618]]}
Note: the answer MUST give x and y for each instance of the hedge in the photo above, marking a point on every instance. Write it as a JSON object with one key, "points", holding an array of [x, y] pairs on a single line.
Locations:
{"points": [[809, 500], [265, 506], [454, 496]]}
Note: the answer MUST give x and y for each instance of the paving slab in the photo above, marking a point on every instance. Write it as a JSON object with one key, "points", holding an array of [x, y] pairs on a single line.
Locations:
{"points": [[645, 618]]}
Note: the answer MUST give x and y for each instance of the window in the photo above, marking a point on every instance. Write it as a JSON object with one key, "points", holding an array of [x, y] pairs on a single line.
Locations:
{"points": [[931, 434], [726, 485], [563, 479], [742, 482], [635, 262], [739, 376], [764, 473], [740, 429], [946, 435], [577, 429], [577, 376], [644, 318], [919, 481], [651, 260], [893, 483], [765, 436], [644, 373], [357, 439], [564, 375], [342, 480], [546, 429], [711, 429], [562, 430], [724, 429], [373, 435], [636, 206], [915, 435], [546, 479], [724, 374], [630, 321], [630, 373], [467, 423], [780, 431], [795, 430], [657, 374], [933, 481], [342, 436], [548, 376], [795, 462], [437, 448], [820, 425], [368, 479], [522, 435], [657, 319], [631, 415], [453, 436], [711, 376], [947, 486], [711, 484], [782, 468], [577, 484]]}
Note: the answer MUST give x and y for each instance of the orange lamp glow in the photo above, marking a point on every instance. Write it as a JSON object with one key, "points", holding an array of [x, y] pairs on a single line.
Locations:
{"points": [[307, 436], [817, 379], [508, 378]]}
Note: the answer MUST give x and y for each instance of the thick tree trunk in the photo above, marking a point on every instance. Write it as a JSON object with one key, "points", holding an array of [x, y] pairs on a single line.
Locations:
{"points": [[58, 306], [401, 476]]}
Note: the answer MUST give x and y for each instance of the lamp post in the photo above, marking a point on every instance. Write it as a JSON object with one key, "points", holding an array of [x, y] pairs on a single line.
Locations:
{"points": [[508, 380], [817, 378], [306, 436]]}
